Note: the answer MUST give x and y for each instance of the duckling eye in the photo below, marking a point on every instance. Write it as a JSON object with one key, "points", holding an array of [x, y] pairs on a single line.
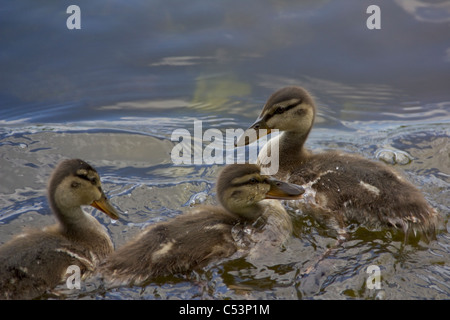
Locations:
{"points": [[279, 110], [75, 184], [253, 181]]}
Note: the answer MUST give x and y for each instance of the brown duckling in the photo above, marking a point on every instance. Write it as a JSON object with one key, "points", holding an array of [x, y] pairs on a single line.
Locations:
{"points": [[340, 188], [205, 233], [37, 260]]}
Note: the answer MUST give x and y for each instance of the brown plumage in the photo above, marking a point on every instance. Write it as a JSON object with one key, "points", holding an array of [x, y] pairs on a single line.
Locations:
{"points": [[205, 233], [37, 260], [340, 188]]}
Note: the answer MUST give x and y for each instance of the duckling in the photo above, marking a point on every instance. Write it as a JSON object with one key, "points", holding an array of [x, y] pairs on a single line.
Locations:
{"points": [[340, 188], [206, 233], [37, 260]]}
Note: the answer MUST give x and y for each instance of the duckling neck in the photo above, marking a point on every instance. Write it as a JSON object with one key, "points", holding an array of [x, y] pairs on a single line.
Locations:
{"points": [[291, 149], [292, 143], [277, 219], [273, 220], [248, 213], [75, 222]]}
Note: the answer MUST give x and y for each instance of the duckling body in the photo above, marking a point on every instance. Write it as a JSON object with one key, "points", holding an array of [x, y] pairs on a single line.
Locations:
{"points": [[206, 233], [348, 188], [340, 188], [37, 260], [189, 241]]}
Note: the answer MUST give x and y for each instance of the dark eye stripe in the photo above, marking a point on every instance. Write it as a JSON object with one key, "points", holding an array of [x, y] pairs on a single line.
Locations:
{"points": [[84, 177], [267, 117], [247, 182], [292, 105]]}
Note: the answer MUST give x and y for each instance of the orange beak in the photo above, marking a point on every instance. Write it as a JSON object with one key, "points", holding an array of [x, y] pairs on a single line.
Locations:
{"points": [[283, 191], [105, 206]]}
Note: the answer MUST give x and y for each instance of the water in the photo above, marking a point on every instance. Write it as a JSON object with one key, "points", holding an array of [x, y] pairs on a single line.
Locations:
{"points": [[113, 92]]}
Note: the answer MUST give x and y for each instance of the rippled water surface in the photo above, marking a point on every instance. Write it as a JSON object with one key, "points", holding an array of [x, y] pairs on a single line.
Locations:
{"points": [[113, 92]]}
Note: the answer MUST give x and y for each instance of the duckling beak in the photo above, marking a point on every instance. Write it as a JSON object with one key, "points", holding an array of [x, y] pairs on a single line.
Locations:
{"points": [[283, 190], [254, 132], [105, 206]]}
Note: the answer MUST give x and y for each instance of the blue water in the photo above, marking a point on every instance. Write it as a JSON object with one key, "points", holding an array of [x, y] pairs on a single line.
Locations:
{"points": [[114, 91]]}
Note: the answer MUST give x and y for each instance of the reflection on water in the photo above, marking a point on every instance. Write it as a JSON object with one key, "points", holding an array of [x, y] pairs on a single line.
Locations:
{"points": [[427, 11], [113, 92]]}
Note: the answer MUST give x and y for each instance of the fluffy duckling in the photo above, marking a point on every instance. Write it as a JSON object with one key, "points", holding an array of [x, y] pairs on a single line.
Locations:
{"points": [[340, 188], [206, 233], [37, 260]]}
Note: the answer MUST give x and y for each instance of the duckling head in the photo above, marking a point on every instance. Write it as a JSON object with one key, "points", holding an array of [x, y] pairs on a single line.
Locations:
{"points": [[75, 183], [240, 188], [290, 109]]}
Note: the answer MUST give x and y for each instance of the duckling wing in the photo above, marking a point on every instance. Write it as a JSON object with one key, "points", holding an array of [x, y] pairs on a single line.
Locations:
{"points": [[36, 262], [365, 191], [188, 242]]}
